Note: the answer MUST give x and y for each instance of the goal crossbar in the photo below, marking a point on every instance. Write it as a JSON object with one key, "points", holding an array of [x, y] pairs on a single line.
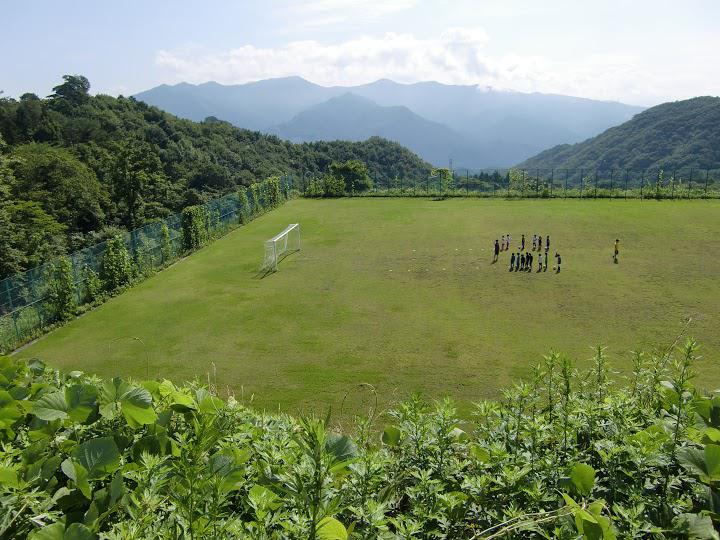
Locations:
{"points": [[281, 245]]}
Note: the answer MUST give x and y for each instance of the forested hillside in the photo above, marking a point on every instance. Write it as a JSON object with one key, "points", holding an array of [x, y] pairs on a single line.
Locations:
{"points": [[75, 167], [681, 134]]}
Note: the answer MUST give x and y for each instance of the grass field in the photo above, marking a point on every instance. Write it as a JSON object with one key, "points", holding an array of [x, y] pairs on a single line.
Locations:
{"points": [[401, 293]]}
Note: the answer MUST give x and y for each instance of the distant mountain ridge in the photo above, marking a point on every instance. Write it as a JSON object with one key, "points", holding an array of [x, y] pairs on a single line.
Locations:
{"points": [[679, 134], [495, 128], [353, 118]]}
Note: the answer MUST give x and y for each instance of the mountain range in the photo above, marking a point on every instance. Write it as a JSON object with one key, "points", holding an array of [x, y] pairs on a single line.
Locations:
{"points": [[474, 127], [680, 134]]}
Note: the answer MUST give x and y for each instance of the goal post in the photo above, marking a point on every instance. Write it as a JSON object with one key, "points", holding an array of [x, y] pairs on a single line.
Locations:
{"points": [[281, 245]]}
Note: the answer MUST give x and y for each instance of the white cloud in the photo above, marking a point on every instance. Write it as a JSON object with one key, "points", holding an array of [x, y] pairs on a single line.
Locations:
{"points": [[456, 56], [344, 10]]}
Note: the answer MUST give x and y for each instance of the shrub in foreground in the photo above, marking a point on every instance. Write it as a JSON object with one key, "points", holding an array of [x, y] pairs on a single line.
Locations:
{"points": [[562, 455]]}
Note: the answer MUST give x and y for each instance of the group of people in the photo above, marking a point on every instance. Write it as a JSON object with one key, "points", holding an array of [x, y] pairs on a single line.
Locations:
{"points": [[523, 261]]}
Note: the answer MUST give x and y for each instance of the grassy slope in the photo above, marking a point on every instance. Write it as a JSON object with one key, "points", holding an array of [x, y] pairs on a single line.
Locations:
{"points": [[400, 293]]}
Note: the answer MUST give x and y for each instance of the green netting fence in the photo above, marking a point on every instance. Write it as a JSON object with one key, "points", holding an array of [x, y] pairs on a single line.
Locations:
{"points": [[26, 306], [681, 183]]}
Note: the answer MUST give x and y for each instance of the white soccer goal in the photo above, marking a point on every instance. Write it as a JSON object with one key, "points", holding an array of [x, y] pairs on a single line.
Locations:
{"points": [[280, 245]]}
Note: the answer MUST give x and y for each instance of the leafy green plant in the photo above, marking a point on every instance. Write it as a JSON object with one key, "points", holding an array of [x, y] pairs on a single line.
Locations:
{"points": [[165, 244], [117, 267], [93, 284], [244, 210], [194, 227], [556, 457], [63, 294]]}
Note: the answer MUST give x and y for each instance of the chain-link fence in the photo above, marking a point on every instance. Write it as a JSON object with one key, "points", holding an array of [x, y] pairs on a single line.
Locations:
{"points": [[689, 183], [26, 307]]}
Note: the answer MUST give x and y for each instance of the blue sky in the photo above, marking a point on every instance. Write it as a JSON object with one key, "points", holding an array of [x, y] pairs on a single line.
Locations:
{"points": [[637, 51]]}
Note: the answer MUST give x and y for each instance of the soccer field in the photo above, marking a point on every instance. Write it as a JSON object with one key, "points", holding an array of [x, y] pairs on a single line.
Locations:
{"points": [[401, 294]]}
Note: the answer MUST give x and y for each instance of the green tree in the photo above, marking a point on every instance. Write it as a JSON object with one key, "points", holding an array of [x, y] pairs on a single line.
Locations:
{"points": [[63, 295], [137, 173], [117, 268], [65, 187], [353, 173], [29, 236], [75, 90]]}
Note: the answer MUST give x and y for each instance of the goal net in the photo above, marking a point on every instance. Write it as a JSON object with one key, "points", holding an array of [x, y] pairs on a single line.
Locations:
{"points": [[281, 245]]}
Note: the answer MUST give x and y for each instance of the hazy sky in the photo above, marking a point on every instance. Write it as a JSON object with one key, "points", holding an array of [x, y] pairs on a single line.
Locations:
{"points": [[637, 51]]}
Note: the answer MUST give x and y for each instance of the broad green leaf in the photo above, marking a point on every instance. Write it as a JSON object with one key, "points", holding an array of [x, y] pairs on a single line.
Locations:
{"points": [[99, 456], [81, 399], [137, 396], [36, 366], [711, 435], [56, 531], [262, 497], [8, 477], [166, 388], [6, 398], [330, 528], [583, 478], [341, 447], [391, 435], [78, 531], [153, 387], [263, 501], [458, 434], [695, 527], [9, 414], [135, 403], [137, 416], [19, 392], [78, 474], [704, 463], [479, 453], [112, 390], [117, 488], [181, 402], [51, 407], [207, 403]]}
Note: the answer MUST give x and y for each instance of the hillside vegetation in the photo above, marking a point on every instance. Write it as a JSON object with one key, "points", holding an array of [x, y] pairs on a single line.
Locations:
{"points": [[75, 167], [681, 134], [564, 455]]}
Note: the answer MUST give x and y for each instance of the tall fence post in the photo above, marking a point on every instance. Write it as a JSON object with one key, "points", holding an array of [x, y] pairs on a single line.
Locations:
{"points": [[596, 179], [537, 182], [467, 181], [552, 181], [582, 181], [707, 175], [612, 172], [626, 181], [642, 184], [566, 179], [672, 189]]}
